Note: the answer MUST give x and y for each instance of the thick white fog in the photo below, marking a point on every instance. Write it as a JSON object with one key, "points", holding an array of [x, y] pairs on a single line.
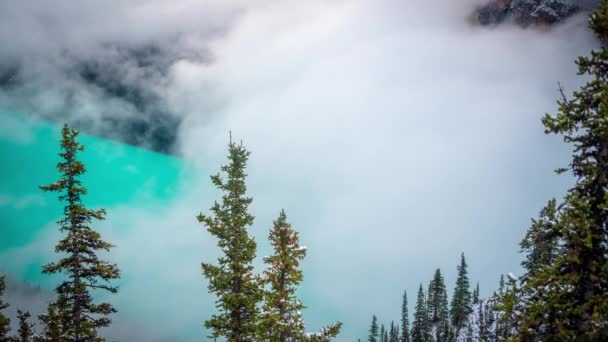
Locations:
{"points": [[395, 134]]}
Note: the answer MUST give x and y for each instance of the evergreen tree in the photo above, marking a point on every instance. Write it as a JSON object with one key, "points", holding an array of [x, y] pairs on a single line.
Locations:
{"points": [[501, 284], [237, 289], [461, 301], [385, 339], [405, 320], [53, 323], [394, 333], [325, 335], [281, 319], [79, 247], [5, 323], [476, 294], [373, 330], [542, 243], [26, 329], [419, 326], [437, 308], [382, 333], [568, 300]]}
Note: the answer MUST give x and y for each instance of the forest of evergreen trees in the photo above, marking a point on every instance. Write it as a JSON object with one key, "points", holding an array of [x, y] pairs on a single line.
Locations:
{"points": [[562, 295]]}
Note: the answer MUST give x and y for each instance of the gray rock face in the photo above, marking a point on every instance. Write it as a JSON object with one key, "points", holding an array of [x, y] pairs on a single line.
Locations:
{"points": [[531, 12]]}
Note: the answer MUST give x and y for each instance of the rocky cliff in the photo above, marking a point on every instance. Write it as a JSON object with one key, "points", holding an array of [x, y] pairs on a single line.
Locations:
{"points": [[531, 12]]}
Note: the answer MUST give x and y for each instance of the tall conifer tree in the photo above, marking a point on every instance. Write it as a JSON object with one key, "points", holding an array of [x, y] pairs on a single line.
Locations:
{"points": [[569, 299], [373, 330], [26, 329], [79, 248], [419, 325], [281, 319], [405, 320], [236, 287], [437, 308], [461, 301]]}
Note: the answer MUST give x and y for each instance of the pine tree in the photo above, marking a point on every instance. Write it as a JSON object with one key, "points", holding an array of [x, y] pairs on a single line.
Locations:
{"points": [[385, 339], [5, 323], [476, 294], [382, 333], [394, 333], [373, 330], [281, 319], [26, 329], [569, 299], [461, 301], [237, 289], [405, 320], [419, 326], [53, 323], [437, 308], [85, 271], [501, 284], [542, 243], [325, 335]]}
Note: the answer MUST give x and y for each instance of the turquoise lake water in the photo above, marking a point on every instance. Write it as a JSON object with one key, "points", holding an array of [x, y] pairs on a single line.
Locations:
{"points": [[117, 174]]}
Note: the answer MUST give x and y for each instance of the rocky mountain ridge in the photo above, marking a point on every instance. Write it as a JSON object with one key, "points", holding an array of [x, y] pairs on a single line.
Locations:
{"points": [[531, 12]]}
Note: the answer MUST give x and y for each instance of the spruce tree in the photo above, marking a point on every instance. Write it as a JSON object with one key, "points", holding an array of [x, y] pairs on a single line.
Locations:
{"points": [[382, 333], [394, 333], [476, 294], [568, 300], [419, 325], [437, 308], [53, 323], [461, 301], [501, 284], [385, 339], [79, 248], [281, 319], [5, 323], [542, 243], [373, 330], [26, 329], [405, 320], [231, 280]]}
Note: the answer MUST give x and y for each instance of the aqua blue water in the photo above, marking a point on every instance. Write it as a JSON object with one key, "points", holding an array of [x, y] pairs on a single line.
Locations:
{"points": [[117, 174]]}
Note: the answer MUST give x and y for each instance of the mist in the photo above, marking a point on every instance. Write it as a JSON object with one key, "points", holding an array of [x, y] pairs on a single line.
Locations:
{"points": [[396, 135]]}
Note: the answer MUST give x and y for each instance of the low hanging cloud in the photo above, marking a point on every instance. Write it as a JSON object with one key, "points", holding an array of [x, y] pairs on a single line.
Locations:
{"points": [[395, 134]]}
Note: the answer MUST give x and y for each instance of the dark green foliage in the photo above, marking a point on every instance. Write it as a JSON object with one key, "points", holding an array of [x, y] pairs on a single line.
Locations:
{"points": [[437, 308], [325, 335], [373, 330], [420, 325], [568, 298], [53, 323], [476, 294], [461, 301], [5, 323], [393, 335], [26, 329], [382, 332], [79, 248], [281, 319], [231, 280], [542, 243], [405, 320]]}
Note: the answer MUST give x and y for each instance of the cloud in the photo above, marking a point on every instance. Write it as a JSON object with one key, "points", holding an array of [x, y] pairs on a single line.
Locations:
{"points": [[395, 134]]}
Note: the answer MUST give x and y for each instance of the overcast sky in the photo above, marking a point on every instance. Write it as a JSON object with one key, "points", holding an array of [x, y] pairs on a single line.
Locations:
{"points": [[395, 134]]}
